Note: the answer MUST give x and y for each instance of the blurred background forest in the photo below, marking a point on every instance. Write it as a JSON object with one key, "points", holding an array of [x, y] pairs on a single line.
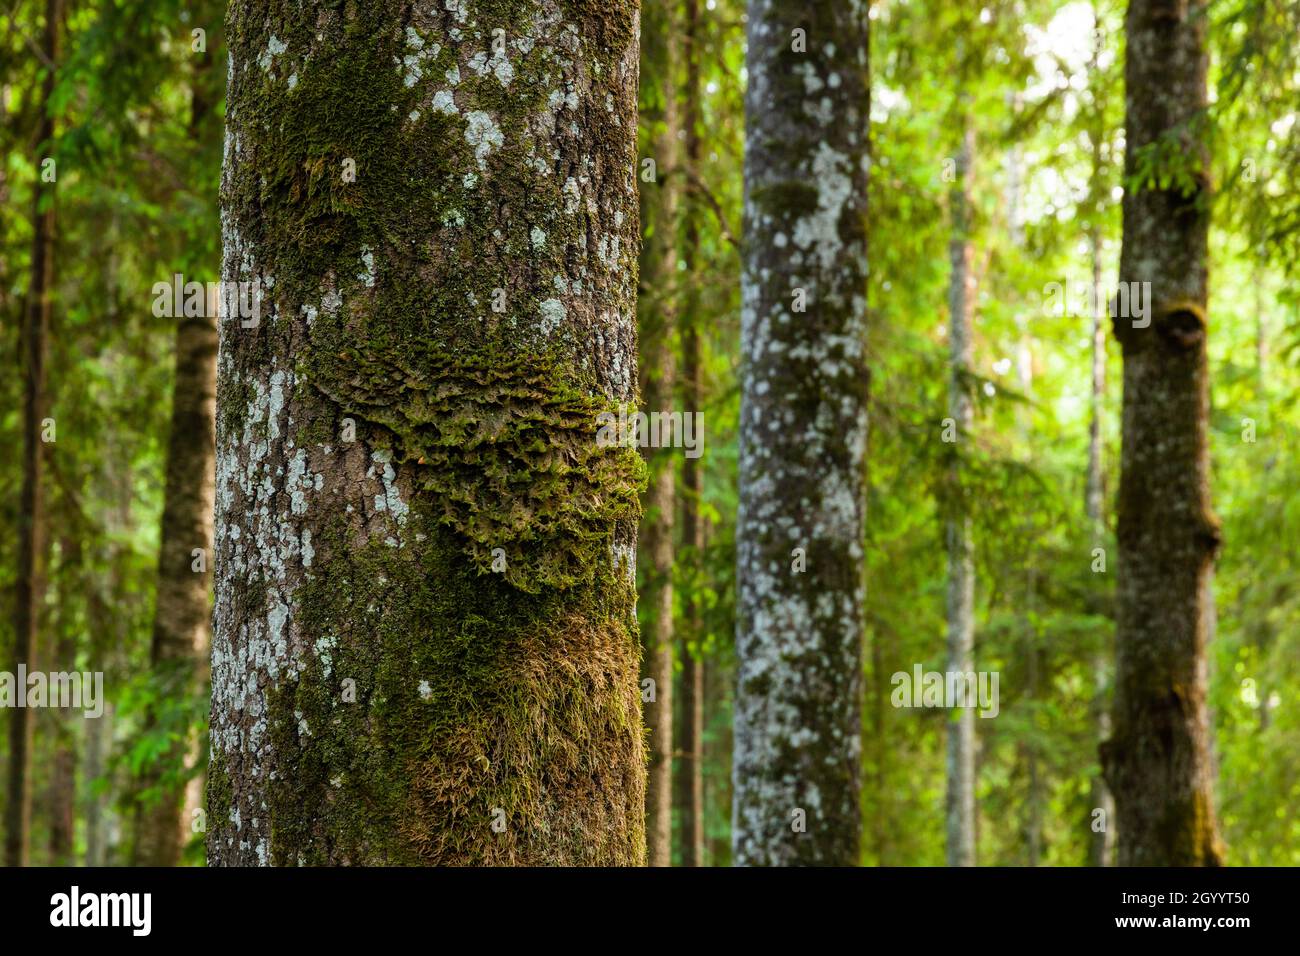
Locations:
{"points": [[136, 112]]}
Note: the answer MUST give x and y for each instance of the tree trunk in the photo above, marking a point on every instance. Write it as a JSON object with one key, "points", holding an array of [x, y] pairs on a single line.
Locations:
{"points": [[1102, 848], [1103, 840], [61, 800], [182, 620], [658, 377], [63, 771], [961, 557], [425, 647], [804, 385], [97, 733], [182, 616], [1157, 760], [692, 730], [29, 592]]}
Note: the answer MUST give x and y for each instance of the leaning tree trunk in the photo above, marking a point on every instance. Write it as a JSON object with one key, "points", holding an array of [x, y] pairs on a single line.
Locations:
{"points": [[960, 798], [425, 645], [799, 534], [1157, 760], [658, 379], [30, 587]]}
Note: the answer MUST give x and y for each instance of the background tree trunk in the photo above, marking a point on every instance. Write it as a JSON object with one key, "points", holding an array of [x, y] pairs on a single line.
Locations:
{"points": [[62, 799], [182, 616], [1157, 761], [692, 729], [1102, 847], [658, 304], [804, 385], [425, 645], [30, 588], [957, 532], [1103, 841]]}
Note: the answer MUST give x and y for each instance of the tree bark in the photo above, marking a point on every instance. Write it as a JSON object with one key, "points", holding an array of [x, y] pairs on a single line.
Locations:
{"points": [[1157, 760], [960, 801], [30, 589], [658, 377], [804, 386], [425, 647]]}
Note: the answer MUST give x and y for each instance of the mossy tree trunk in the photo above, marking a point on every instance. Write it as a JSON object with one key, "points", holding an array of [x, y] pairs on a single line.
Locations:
{"points": [[1157, 760], [960, 796], [658, 308], [30, 588], [799, 535], [425, 646]]}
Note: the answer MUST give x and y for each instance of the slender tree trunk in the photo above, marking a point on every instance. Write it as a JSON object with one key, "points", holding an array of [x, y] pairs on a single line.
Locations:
{"points": [[1033, 656], [61, 800], [1102, 847], [691, 784], [424, 644], [1261, 330], [692, 683], [182, 617], [31, 514], [961, 559], [97, 732], [1157, 760], [804, 386], [63, 774], [692, 730], [658, 377], [1103, 840], [883, 818]]}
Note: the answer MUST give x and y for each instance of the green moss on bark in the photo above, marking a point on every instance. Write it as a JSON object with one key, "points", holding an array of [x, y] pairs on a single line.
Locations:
{"points": [[470, 698]]}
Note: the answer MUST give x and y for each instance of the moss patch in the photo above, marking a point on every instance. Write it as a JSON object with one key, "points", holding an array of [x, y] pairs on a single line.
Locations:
{"points": [[470, 699]]}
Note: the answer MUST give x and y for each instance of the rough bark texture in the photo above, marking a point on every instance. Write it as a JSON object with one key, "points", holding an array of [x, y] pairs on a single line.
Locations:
{"points": [[960, 799], [1157, 761], [691, 787], [29, 592], [802, 436], [657, 305], [425, 645]]}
